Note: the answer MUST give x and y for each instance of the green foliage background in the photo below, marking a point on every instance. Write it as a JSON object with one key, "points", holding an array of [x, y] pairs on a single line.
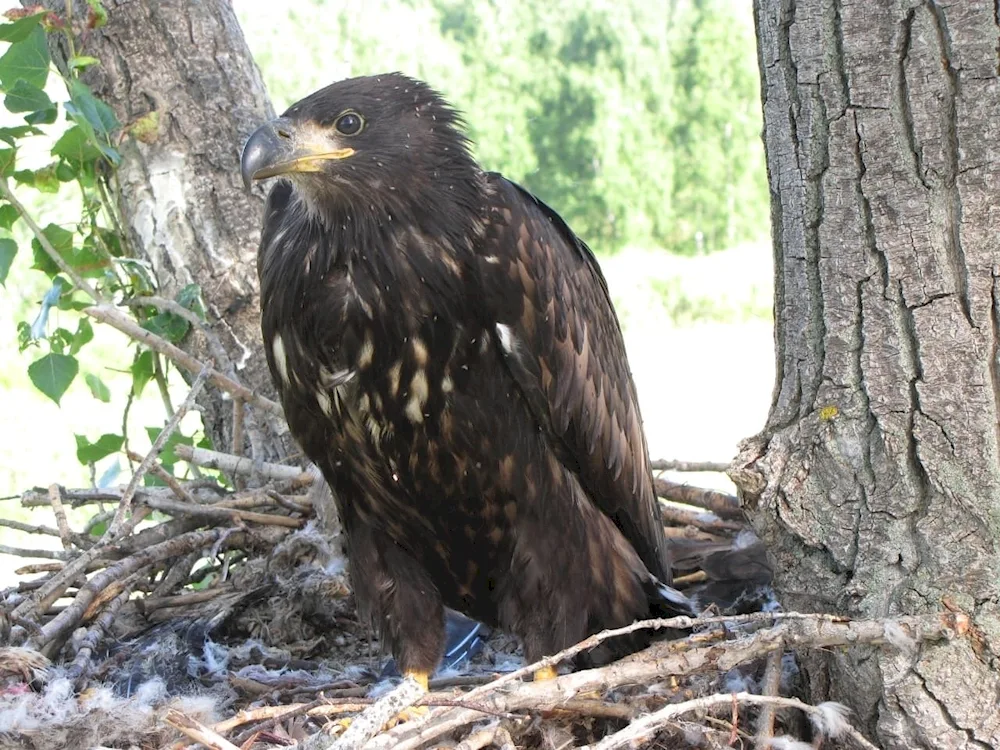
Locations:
{"points": [[639, 121]]}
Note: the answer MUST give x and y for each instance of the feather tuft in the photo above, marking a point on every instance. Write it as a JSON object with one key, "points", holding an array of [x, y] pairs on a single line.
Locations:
{"points": [[830, 719]]}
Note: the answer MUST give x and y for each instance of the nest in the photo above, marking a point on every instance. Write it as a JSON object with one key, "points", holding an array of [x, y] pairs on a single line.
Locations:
{"points": [[224, 618]]}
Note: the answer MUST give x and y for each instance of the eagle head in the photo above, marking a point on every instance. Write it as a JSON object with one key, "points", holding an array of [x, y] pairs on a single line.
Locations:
{"points": [[387, 144]]}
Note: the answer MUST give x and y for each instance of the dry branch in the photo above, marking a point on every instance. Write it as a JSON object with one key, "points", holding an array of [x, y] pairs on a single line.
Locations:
{"points": [[229, 463], [664, 659], [115, 527], [718, 467], [720, 503], [651, 723], [198, 731], [116, 319]]}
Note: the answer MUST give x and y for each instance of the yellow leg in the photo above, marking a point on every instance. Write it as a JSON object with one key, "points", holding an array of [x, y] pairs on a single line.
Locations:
{"points": [[546, 673], [422, 678]]}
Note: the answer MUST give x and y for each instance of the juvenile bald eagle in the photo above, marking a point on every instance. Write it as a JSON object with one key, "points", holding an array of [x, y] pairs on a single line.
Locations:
{"points": [[447, 353]]}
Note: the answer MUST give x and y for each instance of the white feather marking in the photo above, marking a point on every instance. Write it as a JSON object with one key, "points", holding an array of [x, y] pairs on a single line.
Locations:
{"points": [[367, 352], [280, 360], [491, 259], [507, 340], [394, 378], [419, 352], [447, 384], [325, 405], [418, 397]]}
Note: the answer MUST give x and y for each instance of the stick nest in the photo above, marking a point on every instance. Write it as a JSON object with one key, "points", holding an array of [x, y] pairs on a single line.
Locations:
{"points": [[223, 618]]}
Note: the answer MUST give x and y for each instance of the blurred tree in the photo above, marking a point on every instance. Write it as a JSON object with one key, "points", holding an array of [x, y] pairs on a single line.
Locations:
{"points": [[638, 121]]}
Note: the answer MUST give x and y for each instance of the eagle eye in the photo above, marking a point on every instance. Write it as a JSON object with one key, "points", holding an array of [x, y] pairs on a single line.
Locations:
{"points": [[349, 123]]}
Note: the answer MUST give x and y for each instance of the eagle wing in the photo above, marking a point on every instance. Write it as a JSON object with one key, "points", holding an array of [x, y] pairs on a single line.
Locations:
{"points": [[563, 345]]}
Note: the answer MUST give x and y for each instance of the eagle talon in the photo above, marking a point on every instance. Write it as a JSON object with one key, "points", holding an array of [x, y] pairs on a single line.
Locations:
{"points": [[546, 673]]}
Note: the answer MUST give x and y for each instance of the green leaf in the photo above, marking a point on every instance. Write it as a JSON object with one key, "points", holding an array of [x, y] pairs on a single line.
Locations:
{"points": [[20, 29], [83, 336], [65, 172], [42, 117], [10, 136], [171, 327], [167, 456], [190, 298], [97, 387], [100, 116], [142, 371], [76, 147], [8, 249], [82, 61], [27, 60], [61, 239], [24, 97], [46, 180], [8, 159], [8, 215], [106, 444], [53, 373]]}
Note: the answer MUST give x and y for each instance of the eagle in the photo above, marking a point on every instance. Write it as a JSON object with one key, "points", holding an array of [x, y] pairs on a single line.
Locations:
{"points": [[447, 353]]}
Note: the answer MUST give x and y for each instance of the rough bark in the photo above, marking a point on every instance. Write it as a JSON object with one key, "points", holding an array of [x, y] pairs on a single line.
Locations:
{"points": [[181, 194], [876, 481]]}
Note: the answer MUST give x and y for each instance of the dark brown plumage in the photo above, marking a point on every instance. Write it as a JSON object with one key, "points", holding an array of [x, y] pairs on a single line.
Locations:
{"points": [[447, 353]]}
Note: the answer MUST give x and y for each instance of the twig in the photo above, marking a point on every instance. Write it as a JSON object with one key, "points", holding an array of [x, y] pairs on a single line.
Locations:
{"points": [[720, 503], [174, 547], [81, 666], [43, 241], [651, 723], [114, 318], [795, 631], [55, 499], [161, 440], [240, 465], [365, 726], [719, 467], [175, 508], [215, 346], [164, 476], [769, 686], [237, 442], [681, 517], [198, 731], [48, 554]]}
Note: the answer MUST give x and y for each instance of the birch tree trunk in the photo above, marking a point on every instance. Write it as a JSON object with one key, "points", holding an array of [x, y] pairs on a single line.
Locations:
{"points": [[876, 480], [181, 194]]}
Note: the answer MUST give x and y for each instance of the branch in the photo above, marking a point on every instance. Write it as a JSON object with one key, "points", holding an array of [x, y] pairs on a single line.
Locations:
{"points": [[651, 723], [161, 440], [669, 658], [43, 241], [720, 503], [239, 465], [712, 466], [198, 731], [114, 318], [177, 508]]}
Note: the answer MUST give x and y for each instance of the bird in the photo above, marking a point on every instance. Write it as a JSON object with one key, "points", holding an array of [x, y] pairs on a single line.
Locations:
{"points": [[447, 353]]}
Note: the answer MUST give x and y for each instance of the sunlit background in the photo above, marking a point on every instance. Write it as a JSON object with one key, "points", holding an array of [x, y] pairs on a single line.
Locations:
{"points": [[638, 121]]}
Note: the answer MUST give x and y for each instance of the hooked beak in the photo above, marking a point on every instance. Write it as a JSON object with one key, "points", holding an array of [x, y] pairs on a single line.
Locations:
{"points": [[278, 147]]}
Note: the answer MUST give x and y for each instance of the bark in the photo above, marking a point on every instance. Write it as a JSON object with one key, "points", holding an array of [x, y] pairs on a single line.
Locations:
{"points": [[181, 193], [876, 481]]}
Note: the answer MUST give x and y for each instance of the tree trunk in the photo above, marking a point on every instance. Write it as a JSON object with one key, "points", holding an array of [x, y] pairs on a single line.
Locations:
{"points": [[876, 481], [181, 193]]}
